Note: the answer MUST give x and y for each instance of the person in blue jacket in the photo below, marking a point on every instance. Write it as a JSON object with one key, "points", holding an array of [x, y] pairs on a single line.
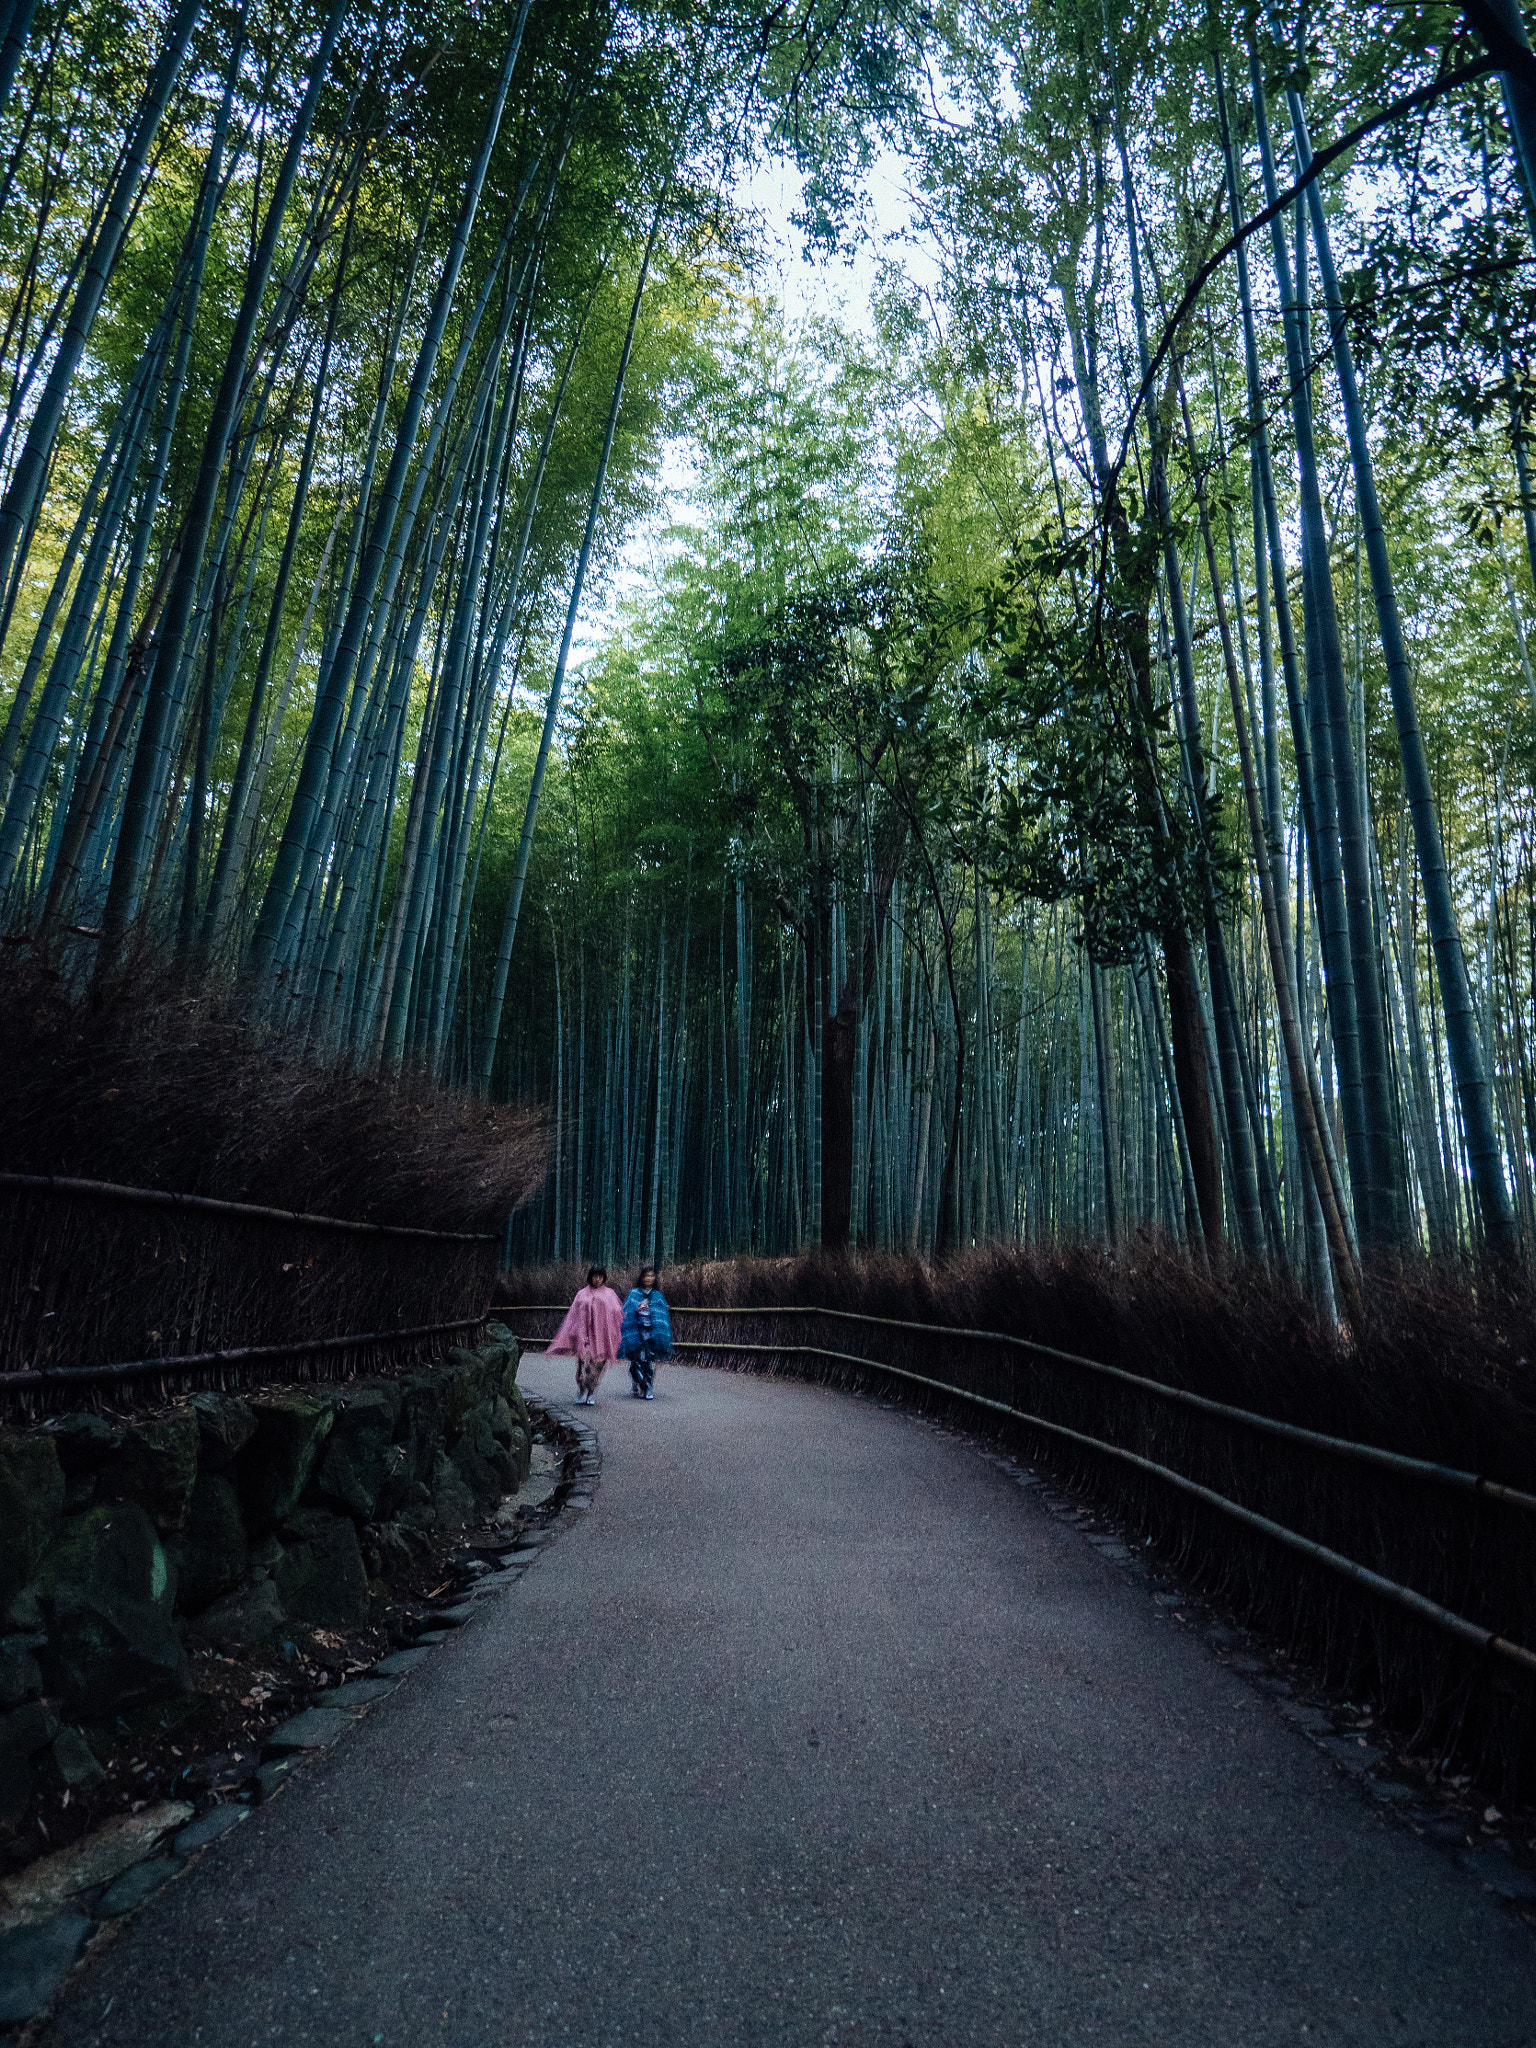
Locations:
{"points": [[647, 1333]]}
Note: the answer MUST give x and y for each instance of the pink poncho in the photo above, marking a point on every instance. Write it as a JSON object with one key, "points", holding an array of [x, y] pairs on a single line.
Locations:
{"points": [[592, 1325]]}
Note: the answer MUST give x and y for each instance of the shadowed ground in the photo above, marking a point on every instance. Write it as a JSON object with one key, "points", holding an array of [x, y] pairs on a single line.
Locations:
{"points": [[815, 1730]]}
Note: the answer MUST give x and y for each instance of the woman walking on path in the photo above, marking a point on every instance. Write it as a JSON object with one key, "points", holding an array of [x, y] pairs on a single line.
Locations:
{"points": [[647, 1333], [592, 1327]]}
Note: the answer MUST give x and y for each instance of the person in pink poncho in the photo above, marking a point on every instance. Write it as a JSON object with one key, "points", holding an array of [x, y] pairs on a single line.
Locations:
{"points": [[591, 1329]]}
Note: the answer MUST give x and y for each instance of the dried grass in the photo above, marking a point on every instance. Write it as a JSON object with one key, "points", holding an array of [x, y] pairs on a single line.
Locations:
{"points": [[149, 1083]]}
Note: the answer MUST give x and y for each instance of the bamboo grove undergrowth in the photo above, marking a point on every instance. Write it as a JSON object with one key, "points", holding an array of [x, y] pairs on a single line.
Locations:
{"points": [[1068, 770]]}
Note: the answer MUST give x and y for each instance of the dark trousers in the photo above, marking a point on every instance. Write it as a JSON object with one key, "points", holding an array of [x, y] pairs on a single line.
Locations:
{"points": [[642, 1370]]}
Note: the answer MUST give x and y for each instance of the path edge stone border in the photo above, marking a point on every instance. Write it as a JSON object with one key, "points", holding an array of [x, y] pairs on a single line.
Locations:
{"points": [[193, 1842]]}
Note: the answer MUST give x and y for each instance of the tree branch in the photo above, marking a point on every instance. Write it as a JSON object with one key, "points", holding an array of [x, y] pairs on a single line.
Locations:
{"points": [[1424, 96]]}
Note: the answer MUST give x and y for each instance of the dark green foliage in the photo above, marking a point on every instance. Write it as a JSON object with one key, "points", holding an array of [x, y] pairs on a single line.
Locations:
{"points": [[1087, 806]]}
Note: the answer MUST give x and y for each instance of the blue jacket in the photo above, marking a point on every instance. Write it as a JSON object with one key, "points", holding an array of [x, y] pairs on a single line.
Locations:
{"points": [[661, 1326]]}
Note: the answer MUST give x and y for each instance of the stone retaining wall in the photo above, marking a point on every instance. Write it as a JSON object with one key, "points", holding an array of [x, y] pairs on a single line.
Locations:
{"points": [[237, 1517]]}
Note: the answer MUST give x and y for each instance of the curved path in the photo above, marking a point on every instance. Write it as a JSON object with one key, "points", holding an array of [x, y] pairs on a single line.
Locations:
{"points": [[815, 1730]]}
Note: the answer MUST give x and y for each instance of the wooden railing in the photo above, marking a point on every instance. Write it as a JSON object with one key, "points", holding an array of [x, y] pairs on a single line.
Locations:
{"points": [[1478, 1539], [101, 1282]]}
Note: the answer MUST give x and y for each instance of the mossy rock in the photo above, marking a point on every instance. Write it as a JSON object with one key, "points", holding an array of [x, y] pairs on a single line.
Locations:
{"points": [[225, 1425], [69, 1762], [452, 1499], [521, 1452], [362, 1460], [107, 1591], [483, 1461], [244, 1619], [461, 1378], [416, 1513], [157, 1467], [212, 1554], [321, 1578], [21, 1677], [277, 1463], [508, 1355], [420, 1428], [388, 1552], [84, 1442], [509, 1425], [31, 1507]]}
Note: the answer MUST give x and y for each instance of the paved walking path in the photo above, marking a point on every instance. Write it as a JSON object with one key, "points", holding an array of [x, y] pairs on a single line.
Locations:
{"points": [[815, 1730]]}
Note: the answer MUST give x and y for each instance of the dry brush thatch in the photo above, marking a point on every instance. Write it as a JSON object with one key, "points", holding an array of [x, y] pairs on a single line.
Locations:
{"points": [[146, 1082]]}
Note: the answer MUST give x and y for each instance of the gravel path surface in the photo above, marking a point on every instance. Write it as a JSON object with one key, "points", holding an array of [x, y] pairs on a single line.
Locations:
{"points": [[815, 1729]]}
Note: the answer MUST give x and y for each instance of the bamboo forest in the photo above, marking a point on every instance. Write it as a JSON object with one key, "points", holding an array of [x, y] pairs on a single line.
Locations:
{"points": [[1038, 746]]}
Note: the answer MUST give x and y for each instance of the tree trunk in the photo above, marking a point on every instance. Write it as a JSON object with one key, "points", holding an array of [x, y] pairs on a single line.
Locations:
{"points": [[1473, 1091], [839, 1040]]}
